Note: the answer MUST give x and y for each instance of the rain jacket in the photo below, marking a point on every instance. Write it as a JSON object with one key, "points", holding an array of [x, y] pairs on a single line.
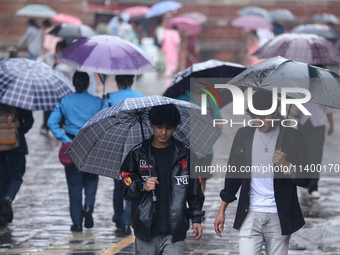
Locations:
{"points": [[183, 190], [285, 192]]}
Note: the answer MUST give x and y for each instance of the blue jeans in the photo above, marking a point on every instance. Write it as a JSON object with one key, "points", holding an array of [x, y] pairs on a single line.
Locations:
{"points": [[121, 215], [32, 57], [258, 228], [76, 181]]}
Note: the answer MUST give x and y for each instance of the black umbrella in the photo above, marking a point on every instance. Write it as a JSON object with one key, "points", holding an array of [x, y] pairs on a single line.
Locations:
{"points": [[326, 18], [210, 69], [278, 72]]}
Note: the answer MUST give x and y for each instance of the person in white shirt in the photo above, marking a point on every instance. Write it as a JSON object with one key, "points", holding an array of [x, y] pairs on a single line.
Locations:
{"points": [[313, 129], [125, 30]]}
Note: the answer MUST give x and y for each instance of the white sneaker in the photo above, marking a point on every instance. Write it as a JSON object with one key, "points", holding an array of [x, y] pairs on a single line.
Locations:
{"points": [[315, 194]]}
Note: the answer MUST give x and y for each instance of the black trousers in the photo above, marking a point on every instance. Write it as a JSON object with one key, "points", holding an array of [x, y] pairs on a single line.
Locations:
{"points": [[315, 138]]}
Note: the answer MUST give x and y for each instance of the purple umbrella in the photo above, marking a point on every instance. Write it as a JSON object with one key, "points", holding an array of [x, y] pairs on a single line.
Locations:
{"points": [[307, 48], [106, 54]]}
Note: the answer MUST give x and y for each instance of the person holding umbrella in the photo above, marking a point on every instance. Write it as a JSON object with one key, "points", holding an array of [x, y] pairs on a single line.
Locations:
{"points": [[268, 209], [161, 165], [34, 38], [13, 164], [122, 216], [76, 109]]}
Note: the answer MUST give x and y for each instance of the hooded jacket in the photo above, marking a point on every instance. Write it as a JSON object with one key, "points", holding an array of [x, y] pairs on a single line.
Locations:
{"points": [[285, 192], [183, 190]]}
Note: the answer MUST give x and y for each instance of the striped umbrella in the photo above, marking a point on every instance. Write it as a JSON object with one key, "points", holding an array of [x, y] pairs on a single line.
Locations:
{"points": [[103, 143], [307, 48], [31, 85]]}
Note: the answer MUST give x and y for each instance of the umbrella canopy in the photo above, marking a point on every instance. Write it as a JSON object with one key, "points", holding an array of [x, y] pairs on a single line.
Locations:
{"points": [[188, 25], [200, 18], [250, 22], [279, 72], [72, 31], [282, 14], [36, 10], [103, 143], [136, 11], [326, 18], [317, 29], [307, 48], [106, 54], [65, 18], [255, 11], [163, 7], [209, 69], [31, 85]]}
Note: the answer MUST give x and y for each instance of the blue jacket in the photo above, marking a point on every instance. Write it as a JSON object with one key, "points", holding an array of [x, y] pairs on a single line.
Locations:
{"points": [[119, 96], [77, 109]]}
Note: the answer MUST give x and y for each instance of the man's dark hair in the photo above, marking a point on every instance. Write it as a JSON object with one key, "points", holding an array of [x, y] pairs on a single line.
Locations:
{"points": [[47, 23], [80, 81], [125, 80], [33, 22], [167, 115], [61, 44], [262, 100]]}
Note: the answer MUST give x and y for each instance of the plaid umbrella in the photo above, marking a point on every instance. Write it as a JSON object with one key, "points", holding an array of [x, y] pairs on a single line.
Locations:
{"points": [[103, 143], [326, 18], [307, 48], [317, 29], [31, 85]]}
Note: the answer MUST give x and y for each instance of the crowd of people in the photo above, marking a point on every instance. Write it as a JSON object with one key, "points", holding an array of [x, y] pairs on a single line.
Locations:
{"points": [[268, 210]]}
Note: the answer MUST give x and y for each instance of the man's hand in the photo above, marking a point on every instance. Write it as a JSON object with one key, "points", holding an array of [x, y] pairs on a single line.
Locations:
{"points": [[197, 230], [150, 183], [219, 223], [279, 158], [330, 130]]}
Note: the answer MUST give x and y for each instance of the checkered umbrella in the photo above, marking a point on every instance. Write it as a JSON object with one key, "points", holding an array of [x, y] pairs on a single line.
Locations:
{"points": [[251, 22], [307, 48], [31, 85], [103, 143]]}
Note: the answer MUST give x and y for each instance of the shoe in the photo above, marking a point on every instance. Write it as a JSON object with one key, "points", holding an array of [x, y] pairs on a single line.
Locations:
{"points": [[76, 228], [44, 131], [7, 213], [315, 194], [88, 216], [126, 230]]}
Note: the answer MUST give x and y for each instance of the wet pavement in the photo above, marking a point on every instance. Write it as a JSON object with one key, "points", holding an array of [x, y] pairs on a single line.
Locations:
{"points": [[41, 222]]}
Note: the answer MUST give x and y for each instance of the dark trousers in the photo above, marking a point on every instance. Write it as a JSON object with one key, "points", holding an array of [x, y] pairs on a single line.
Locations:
{"points": [[76, 181], [46, 116], [315, 137], [122, 214], [12, 169]]}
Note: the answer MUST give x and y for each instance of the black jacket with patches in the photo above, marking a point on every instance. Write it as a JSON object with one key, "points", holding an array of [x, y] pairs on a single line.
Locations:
{"points": [[285, 192], [183, 191]]}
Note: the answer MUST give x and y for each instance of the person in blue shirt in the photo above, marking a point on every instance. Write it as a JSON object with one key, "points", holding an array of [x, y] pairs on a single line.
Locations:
{"points": [[122, 216], [76, 109]]}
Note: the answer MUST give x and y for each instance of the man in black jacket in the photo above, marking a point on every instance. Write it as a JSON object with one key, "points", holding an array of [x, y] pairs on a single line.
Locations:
{"points": [[160, 227], [268, 210], [12, 167]]}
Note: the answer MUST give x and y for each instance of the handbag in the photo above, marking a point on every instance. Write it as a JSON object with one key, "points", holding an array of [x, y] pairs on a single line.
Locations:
{"points": [[64, 159]]}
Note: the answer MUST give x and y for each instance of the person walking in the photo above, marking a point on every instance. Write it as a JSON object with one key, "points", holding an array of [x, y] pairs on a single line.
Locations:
{"points": [[171, 48], [76, 109], [160, 227], [125, 30], [313, 128], [268, 210], [13, 165], [34, 38], [122, 215]]}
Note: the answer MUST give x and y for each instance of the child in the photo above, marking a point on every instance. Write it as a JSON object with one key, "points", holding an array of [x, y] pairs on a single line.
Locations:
{"points": [[160, 227]]}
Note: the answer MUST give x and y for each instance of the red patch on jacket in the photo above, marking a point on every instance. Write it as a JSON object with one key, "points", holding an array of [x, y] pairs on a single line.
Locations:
{"points": [[124, 175], [183, 163]]}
